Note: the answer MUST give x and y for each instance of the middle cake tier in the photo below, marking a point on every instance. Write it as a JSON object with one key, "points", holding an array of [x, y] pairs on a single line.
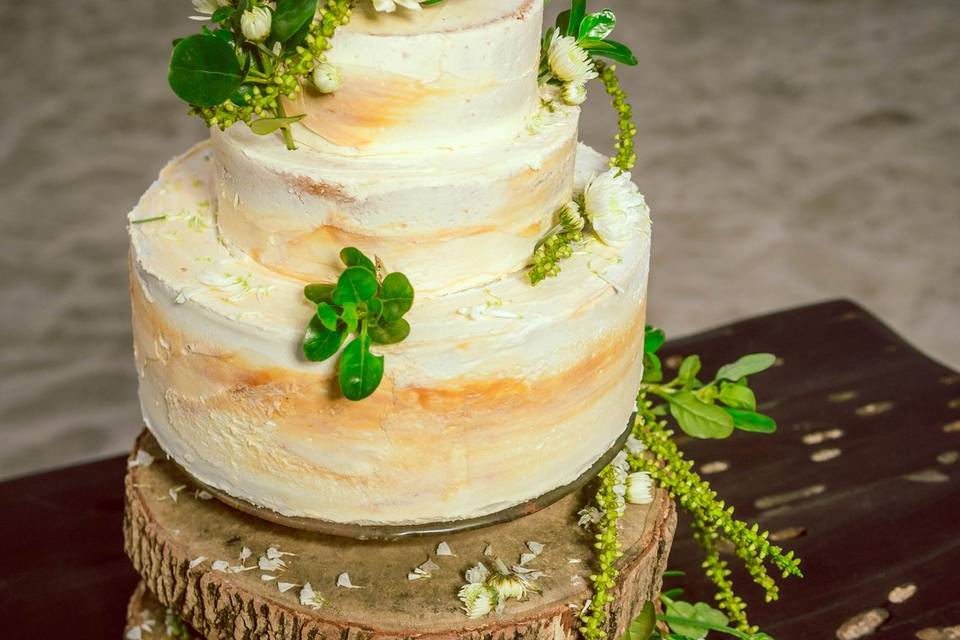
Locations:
{"points": [[449, 218], [499, 395]]}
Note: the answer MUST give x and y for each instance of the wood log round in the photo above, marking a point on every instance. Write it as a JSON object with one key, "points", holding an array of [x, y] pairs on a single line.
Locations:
{"points": [[174, 535]]}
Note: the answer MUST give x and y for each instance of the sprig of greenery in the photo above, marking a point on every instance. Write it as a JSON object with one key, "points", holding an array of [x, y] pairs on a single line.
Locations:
{"points": [[712, 518], [713, 409], [591, 31], [360, 303], [226, 78]]}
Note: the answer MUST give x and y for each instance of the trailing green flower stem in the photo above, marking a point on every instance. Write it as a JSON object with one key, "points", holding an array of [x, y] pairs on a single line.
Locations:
{"points": [[712, 519], [607, 543], [625, 157], [667, 466], [718, 573]]}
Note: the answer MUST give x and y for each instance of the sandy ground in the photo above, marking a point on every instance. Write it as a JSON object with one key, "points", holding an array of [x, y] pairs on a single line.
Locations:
{"points": [[793, 150]]}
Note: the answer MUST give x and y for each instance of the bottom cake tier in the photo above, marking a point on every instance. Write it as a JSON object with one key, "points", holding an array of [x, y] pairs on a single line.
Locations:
{"points": [[499, 395]]}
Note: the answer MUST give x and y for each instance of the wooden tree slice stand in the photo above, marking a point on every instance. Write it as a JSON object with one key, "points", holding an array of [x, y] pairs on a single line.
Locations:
{"points": [[169, 526]]}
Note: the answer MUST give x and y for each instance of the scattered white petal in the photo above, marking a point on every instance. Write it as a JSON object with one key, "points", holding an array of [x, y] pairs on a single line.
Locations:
{"points": [[443, 549], [343, 580], [174, 491], [283, 587], [527, 557], [245, 553], [197, 561], [273, 553], [134, 634], [309, 598], [142, 459], [535, 547], [265, 564], [488, 551], [429, 566], [267, 578], [203, 494], [477, 574], [574, 561], [220, 565]]}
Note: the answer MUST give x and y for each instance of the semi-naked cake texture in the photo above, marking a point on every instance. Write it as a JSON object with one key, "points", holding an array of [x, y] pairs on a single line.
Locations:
{"points": [[502, 392]]}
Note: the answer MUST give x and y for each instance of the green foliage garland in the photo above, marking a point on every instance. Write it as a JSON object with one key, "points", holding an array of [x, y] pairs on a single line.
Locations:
{"points": [[712, 518], [364, 304]]}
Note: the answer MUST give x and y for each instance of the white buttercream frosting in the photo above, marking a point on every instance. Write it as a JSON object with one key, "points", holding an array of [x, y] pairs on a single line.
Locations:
{"points": [[477, 412], [424, 212], [454, 72]]}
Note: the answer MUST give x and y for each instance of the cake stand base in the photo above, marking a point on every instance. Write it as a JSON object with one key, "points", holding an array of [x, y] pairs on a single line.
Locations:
{"points": [[190, 553]]}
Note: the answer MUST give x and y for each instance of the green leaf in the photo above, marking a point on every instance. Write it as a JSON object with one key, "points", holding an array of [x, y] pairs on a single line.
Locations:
{"points": [[652, 368], [746, 366], [204, 70], [353, 257], [290, 16], [318, 293], [360, 370], [266, 126], [320, 343], [699, 419], [752, 421], [222, 13], [356, 284], [578, 10], [328, 316], [397, 296], [694, 620], [641, 628], [674, 573], [389, 332], [612, 49], [563, 21], [653, 339], [689, 369], [350, 316], [597, 25], [374, 310], [737, 396]]}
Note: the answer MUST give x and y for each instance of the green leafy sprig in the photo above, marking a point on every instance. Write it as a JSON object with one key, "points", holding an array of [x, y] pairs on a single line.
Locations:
{"points": [[712, 518], [714, 409], [591, 32], [365, 305], [227, 78]]}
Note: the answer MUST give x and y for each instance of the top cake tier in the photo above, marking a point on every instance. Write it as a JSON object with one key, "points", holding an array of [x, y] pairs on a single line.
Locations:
{"points": [[457, 72]]}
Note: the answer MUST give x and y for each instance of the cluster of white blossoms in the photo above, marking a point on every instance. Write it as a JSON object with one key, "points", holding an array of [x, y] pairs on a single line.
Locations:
{"points": [[615, 208], [572, 66], [389, 6]]}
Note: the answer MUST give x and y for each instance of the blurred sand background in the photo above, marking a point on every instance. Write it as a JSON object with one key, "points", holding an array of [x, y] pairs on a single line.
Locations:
{"points": [[792, 150]]}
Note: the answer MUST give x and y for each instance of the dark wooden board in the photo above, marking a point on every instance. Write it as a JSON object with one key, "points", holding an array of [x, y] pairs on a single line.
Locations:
{"points": [[872, 528], [869, 530]]}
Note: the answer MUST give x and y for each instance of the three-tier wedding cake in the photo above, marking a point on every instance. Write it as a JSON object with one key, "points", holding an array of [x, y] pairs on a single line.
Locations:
{"points": [[443, 155]]}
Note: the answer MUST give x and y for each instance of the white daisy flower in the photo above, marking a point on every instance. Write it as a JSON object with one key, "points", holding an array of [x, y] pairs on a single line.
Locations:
{"points": [[639, 488], [206, 6], [389, 6], [478, 599], [568, 62], [616, 208], [255, 24]]}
